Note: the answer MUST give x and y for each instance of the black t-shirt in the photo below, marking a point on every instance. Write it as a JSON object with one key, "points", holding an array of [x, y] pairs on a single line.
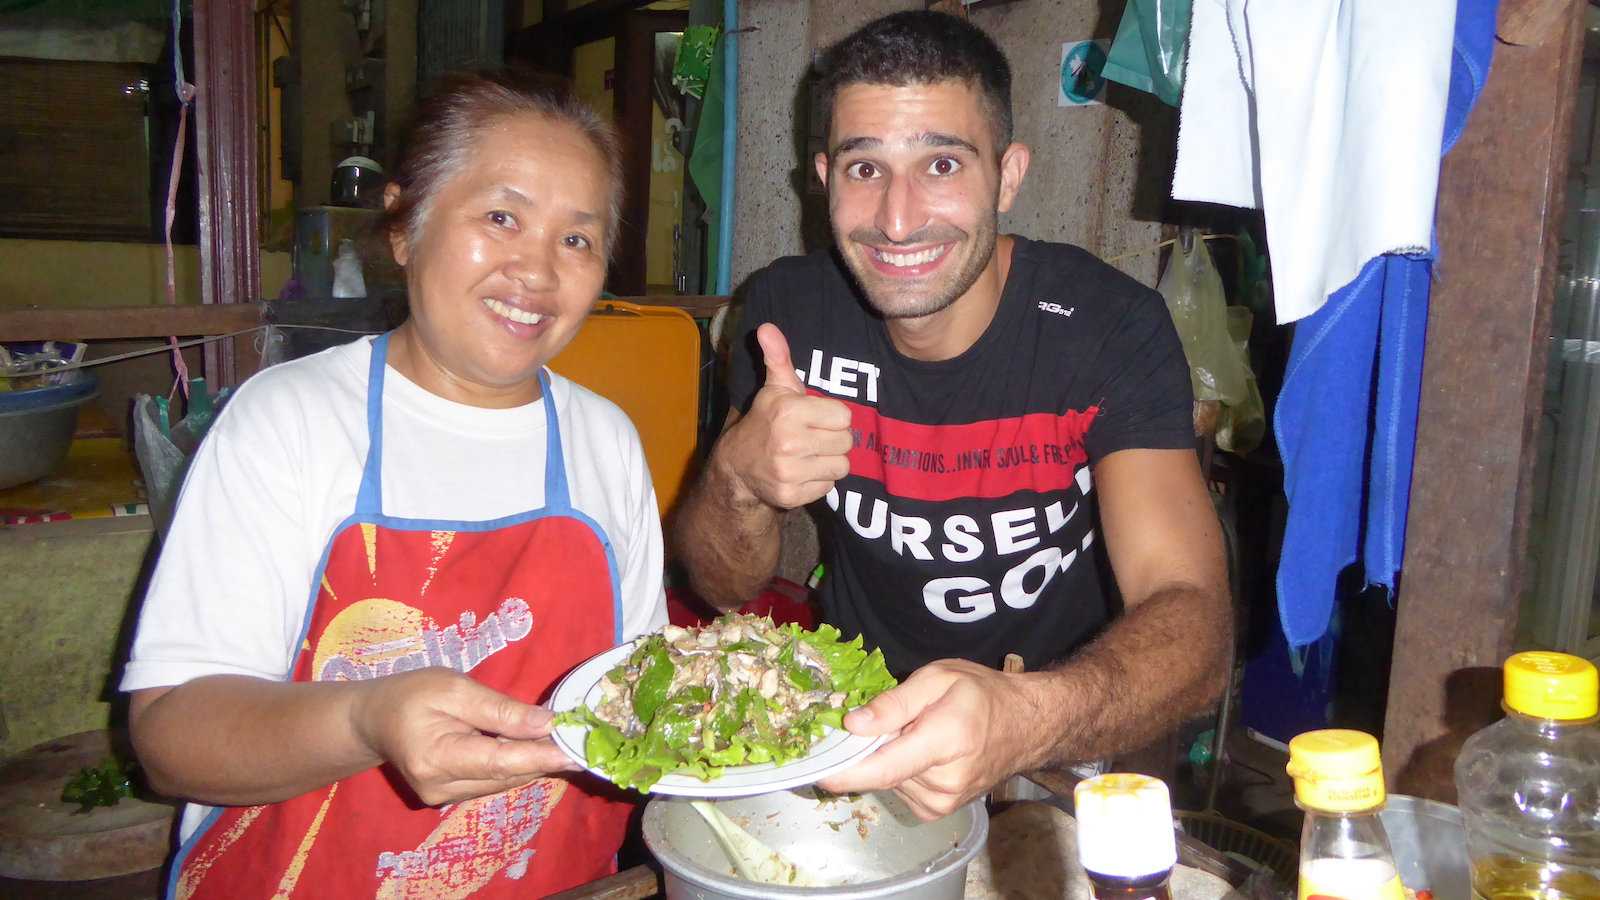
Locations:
{"points": [[966, 526]]}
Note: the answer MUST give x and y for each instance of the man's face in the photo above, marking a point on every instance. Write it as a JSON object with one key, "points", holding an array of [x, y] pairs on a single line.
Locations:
{"points": [[914, 191]]}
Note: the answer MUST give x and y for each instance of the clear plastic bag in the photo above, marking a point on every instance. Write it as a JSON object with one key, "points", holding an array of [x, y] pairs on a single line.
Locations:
{"points": [[161, 461], [1241, 426], [164, 449], [1193, 291]]}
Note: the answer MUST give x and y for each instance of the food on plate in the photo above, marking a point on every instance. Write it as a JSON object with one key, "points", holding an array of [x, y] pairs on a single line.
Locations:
{"points": [[737, 691]]}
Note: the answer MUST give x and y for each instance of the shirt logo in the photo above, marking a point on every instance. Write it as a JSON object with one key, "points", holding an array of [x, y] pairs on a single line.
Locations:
{"points": [[841, 377], [1051, 306]]}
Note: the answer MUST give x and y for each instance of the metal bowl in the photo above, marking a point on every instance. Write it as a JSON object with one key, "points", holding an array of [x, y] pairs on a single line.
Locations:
{"points": [[36, 427], [1430, 845], [870, 846]]}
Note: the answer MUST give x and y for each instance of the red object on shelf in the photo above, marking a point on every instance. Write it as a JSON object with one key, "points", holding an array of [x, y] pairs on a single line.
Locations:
{"points": [[783, 600]]}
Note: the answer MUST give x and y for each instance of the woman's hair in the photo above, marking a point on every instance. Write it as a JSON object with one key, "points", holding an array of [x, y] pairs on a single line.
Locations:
{"points": [[446, 124]]}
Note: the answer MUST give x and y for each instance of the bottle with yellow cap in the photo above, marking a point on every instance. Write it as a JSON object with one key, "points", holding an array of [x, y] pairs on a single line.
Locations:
{"points": [[1344, 851], [1529, 785]]}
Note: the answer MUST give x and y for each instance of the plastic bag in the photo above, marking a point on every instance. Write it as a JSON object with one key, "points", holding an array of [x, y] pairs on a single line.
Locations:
{"points": [[1193, 291], [1149, 49], [164, 450], [691, 69], [1241, 426]]}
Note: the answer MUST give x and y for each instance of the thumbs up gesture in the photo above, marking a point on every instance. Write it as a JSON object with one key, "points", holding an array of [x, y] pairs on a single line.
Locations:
{"points": [[790, 448]]}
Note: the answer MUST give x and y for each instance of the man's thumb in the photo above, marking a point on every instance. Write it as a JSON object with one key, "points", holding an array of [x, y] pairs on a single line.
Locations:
{"points": [[775, 350]]}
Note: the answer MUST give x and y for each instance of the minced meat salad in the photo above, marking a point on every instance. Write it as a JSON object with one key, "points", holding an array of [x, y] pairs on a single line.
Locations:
{"points": [[738, 691]]}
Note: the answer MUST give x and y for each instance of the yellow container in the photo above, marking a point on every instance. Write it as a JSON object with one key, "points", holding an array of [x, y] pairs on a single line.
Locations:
{"points": [[645, 359]]}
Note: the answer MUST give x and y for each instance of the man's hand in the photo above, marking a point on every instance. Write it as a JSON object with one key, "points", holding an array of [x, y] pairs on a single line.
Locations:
{"points": [[790, 448], [963, 727], [453, 738]]}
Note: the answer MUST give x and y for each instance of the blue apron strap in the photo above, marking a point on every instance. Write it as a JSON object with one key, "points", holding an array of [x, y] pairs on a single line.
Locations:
{"points": [[555, 464], [369, 501]]}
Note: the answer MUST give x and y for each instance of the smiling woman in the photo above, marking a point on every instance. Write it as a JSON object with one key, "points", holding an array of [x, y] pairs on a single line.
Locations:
{"points": [[505, 250], [466, 524]]}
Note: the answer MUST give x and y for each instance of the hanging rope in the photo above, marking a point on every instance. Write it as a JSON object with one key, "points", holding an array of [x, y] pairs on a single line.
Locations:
{"points": [[186, 93], [1167, 243]]}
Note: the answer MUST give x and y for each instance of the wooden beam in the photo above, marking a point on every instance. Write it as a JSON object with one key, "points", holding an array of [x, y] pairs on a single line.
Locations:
{"points": [[119, 322], [1500, 213], [225, 130], [636, 883], [1527, 22], [700, 306]]}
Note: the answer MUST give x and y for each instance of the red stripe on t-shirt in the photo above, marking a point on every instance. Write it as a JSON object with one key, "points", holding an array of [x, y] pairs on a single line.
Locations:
{"points": [[992, 458]]}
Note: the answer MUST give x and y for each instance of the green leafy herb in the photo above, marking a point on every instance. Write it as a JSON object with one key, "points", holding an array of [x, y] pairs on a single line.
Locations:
{"points": [[104, 785], [651, 690]]}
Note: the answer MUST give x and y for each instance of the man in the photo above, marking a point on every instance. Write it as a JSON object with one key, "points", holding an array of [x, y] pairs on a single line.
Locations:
{"points": [[981, 422]]}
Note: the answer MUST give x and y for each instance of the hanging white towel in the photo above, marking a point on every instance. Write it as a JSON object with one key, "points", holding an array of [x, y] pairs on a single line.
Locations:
{"points": [[1325, 114]]}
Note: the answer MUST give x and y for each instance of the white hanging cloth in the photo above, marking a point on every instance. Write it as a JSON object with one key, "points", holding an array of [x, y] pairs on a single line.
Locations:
{"points": [[1328, 116]]}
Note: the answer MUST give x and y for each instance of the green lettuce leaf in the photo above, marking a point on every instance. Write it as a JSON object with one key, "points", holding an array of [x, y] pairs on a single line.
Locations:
{"points": [[680, 738]]}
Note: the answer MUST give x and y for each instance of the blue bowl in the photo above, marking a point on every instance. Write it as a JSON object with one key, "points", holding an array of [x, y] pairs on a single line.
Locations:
{"points": [[36, 427]]}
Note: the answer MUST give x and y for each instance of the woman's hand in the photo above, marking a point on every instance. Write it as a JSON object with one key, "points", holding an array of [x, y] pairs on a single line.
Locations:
{"points": [[452, 738]]}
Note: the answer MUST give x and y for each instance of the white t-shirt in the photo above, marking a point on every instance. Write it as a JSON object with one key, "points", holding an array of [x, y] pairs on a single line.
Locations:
{"points": [[280, 469]]}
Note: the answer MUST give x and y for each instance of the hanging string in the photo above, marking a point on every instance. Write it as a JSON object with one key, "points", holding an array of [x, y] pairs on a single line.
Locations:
{"points": [[195, 342], [186, 93], [1167, 243]]}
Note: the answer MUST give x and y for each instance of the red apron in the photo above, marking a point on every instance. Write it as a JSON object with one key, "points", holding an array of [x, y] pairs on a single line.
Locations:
{"points": [[516, 602]]}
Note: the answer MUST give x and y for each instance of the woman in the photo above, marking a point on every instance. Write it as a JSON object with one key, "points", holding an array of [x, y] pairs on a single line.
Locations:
{"points": [[466, 525]]}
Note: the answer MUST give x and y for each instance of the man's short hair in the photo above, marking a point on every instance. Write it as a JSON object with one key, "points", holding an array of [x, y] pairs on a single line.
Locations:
{"points": [[919, 47]]}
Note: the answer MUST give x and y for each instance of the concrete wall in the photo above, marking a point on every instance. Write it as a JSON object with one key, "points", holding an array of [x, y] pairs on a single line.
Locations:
{"points": [[1100, 174], [65, 617], [75, 274]]}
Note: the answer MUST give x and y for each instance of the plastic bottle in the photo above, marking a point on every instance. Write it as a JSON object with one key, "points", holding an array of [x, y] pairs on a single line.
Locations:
{"points": [[1125, 836], [1344, 851], [1529, 785], [347, 281]]}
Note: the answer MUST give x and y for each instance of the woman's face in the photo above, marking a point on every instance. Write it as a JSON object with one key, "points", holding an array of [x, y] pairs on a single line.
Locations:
{"points": [[509, 260]]}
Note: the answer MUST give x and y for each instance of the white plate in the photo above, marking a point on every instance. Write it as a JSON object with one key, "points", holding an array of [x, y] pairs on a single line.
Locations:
{"points": [[836, 751]]}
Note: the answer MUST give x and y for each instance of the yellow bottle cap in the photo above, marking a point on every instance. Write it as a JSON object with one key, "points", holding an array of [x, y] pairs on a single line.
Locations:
{"points": [[1336, 770], [1125, 825], [1552, 686]]}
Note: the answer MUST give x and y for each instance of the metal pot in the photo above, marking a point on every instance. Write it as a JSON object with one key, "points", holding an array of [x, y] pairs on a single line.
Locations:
{"points": [[36, 427], [1430, 845], [870, 846]]}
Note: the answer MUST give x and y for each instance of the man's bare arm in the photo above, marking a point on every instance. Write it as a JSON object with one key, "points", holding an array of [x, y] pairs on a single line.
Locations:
{"points": [[963, 727], [787, 452], [1164, 660], [727, 537]]}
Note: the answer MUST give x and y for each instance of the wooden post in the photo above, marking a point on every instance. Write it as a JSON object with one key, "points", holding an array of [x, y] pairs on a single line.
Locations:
{"points": [[1500, 199], [635, 64], [225, 131]]}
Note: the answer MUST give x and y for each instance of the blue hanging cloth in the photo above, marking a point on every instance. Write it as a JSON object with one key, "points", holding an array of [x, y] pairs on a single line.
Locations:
{"points": [[1346, 418]]}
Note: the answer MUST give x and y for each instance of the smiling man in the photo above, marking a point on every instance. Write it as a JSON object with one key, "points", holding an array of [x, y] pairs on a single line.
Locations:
{"points": [[994, 431]]}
